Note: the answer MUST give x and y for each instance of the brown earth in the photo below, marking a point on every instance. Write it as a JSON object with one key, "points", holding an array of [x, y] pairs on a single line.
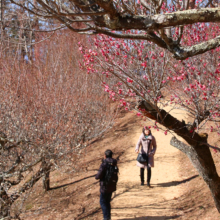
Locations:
{"points": [[178, 192]]}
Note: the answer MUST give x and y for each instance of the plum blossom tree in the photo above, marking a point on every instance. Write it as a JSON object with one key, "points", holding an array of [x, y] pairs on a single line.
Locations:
{"points": [[15, 35], [49, 112], [154, 21], [146, 78]]}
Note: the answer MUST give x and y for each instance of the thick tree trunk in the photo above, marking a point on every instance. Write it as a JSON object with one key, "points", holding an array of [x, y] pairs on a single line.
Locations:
{"points": [[202, 160], [46, 175], [46, 180]]}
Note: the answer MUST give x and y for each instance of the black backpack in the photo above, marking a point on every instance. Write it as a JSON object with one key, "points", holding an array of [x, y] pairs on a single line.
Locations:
{"points": [[111, 176]]}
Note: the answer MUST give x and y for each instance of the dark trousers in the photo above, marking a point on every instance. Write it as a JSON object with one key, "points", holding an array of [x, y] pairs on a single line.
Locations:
{"points": [[105, 199], [148, 174]]}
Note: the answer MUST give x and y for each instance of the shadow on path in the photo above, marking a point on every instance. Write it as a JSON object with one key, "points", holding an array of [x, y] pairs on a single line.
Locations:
{"points": [[73, 182], [175, 183], [153, 218]]}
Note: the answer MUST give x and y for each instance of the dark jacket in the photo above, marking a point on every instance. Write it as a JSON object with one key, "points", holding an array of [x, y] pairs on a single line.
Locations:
{"points": [[101, 174]]}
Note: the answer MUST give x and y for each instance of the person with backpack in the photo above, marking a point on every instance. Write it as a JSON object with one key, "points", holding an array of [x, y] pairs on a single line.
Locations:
{"points": [[148, 145], [108, 176]]}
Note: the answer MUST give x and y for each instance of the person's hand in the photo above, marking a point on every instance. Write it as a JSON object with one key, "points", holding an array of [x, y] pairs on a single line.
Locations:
{"points": [[136, 152]]}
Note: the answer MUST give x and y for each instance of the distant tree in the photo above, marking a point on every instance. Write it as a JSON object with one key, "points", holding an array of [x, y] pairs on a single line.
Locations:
{"points": [[146, 78], [16, 34], [49, 112], [159, 21]]}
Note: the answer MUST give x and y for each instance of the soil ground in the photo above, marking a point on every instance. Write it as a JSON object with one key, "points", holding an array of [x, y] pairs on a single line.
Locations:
{"points": [[177, 191]]}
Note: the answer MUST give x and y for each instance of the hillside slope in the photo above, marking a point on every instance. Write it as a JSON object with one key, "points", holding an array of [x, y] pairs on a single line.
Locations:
{"points": [[178, 192]]}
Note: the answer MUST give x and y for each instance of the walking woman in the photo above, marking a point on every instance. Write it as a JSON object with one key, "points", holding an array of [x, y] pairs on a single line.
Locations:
{"points": [[147, 145]]}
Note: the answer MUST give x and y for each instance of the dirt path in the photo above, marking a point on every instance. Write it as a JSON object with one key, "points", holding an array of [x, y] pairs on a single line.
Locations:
{"points": [[133, 201]]}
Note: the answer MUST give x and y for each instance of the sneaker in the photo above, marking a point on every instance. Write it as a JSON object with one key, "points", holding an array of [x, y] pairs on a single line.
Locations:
{"points": [[148, 185], [142, 183]]}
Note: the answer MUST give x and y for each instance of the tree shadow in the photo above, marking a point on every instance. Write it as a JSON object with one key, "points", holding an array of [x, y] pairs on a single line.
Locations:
{"points": [[89, 214], [72, 182], [175, 183], [153, 218]]}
